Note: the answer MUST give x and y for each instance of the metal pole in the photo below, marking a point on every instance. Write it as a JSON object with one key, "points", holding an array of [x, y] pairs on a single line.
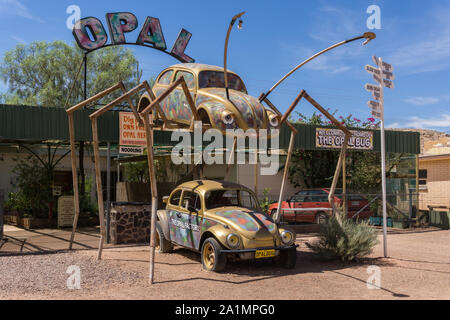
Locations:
{"points": [[85, 75], [108, 189], [368, 36], [225, 70], [383, 165]]}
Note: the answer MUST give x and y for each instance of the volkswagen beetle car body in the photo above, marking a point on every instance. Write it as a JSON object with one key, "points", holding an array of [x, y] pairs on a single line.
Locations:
{"points": [[206, 84], [222, 221]]}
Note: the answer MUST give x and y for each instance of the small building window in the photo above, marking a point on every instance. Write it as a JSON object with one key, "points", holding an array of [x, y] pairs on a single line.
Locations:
{"points": [[423, 175]]}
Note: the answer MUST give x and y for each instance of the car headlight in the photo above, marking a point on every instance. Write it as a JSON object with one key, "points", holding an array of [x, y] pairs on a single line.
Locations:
{"points": [[227, 117], [233, 240], [274, 122], [287, 237]]}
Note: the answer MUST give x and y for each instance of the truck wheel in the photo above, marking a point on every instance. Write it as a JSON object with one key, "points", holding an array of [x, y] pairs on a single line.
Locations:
{"points": [[321, 218], [162, 244], [212, 257], [287, 258]]}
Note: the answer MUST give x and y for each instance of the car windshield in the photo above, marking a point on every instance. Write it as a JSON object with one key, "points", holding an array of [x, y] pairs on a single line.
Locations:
{"points": [[216, 79], [230, 198]]}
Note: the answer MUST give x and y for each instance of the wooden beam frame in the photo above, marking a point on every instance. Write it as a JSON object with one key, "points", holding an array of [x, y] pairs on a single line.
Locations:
{"points": [[284, 119], [70, 113], [146, 115]]}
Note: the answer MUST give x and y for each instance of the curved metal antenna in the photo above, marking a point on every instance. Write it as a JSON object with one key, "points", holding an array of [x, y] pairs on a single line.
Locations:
{"points": [[368, 36], [225, 74]]}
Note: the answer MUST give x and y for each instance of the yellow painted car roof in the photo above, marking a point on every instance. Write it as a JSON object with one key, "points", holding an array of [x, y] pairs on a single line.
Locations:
{"points": [[197, 67], [204, 186]]}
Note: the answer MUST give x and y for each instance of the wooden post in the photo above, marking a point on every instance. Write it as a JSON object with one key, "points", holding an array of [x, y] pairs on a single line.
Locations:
{"points": [[286, 170], [344, 183], [98, 180], [337, 172], [74, 179], [230, 158], [151, 170], [256, 177]]}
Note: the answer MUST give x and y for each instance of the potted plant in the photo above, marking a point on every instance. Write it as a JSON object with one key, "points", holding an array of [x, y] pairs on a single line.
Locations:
{"points": [[27, 221]]}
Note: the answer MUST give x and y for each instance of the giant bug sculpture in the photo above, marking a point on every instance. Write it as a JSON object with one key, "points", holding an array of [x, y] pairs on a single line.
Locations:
{"points": [[190, 92]]}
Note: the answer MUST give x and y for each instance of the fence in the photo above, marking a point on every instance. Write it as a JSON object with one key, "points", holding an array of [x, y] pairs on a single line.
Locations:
{"points": [[1, 213]]}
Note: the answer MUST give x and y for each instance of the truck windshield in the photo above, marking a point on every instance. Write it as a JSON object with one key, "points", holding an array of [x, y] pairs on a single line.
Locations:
{"points": [[230, 198], [216, 79]]}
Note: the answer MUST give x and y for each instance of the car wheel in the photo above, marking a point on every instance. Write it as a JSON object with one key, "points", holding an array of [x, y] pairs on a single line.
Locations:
{"points": [[212, 257], [287, 258], [321, 218], [273, 213], [162, 244]]}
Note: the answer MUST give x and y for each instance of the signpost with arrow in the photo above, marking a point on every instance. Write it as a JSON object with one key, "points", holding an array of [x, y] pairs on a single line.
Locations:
{"points": [[383, 75]]}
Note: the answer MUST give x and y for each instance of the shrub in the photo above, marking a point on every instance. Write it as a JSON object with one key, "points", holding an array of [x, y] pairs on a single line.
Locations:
{"points": [[346, 240], [265, 202]]}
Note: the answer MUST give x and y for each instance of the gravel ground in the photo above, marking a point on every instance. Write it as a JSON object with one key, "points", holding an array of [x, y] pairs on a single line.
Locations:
{"points": [[39, 274], [418, 267]]}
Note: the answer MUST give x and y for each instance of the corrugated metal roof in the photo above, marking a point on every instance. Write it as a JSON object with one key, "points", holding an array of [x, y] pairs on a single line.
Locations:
{"points": [[43, 123]]}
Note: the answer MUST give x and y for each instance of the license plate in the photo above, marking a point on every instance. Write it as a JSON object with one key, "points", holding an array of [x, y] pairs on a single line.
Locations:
{"points": [[264, 254]]}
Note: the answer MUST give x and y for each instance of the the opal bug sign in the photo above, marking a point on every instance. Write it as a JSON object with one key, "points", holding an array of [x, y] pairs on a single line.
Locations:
{"points": [[90, 34], [334, 139]]}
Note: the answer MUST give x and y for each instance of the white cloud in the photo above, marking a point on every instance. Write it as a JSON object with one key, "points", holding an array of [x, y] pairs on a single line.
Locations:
{"points": [[421, 101], [331, 25], [393, 125], [424, 123], [18, 39], [16, 8], [425, 56], [426, 48]]}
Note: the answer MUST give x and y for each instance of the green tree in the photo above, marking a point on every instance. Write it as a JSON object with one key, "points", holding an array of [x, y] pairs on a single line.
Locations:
{"points": [[43, 74]]}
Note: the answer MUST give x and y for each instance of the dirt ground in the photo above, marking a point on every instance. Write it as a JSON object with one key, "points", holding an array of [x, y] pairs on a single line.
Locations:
{"points": [[418, 267]]}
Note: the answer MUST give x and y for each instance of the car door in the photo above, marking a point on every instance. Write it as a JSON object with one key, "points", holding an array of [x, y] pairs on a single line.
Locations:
{"points": [[297, 213], [175, 216], [318, 202], [187, 220], [306, 210]]}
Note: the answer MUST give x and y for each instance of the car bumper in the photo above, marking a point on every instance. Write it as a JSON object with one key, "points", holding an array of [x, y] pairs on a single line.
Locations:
{"points": [[259, 249]]}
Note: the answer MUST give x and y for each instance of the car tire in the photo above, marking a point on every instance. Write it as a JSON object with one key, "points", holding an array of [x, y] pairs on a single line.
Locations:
{"points": [[321, 218], [287, 258], [212, 257], [162, 244]]}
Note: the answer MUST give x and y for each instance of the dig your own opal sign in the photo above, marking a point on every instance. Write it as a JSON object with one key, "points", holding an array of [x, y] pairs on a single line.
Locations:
{"points": [[91, 35]]}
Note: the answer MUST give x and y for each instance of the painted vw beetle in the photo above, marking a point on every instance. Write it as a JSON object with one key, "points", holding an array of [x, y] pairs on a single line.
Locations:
{"points": [[222, 221], [206, 84]]}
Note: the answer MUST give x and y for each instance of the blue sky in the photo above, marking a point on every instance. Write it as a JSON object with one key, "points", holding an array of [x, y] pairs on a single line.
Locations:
{"points": [[277, 35]]}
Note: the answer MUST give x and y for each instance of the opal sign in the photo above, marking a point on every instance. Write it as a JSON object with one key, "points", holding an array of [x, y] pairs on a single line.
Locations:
{"points": [[90, 34]]}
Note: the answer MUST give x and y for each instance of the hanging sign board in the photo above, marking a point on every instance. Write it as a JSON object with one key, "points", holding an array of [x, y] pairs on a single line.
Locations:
{"points": [[130, 132], [66, 211], [131, 150], [385, 66], [334, 138]]}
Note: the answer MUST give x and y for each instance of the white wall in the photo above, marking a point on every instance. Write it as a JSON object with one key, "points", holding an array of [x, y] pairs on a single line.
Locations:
{"points": [[7, 163]]}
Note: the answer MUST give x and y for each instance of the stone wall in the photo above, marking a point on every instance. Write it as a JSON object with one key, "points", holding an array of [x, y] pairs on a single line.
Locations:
{"points": [[130, 223]]}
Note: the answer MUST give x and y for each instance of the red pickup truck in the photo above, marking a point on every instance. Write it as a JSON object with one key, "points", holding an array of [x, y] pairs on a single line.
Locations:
{"points": [[312, 206]]}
